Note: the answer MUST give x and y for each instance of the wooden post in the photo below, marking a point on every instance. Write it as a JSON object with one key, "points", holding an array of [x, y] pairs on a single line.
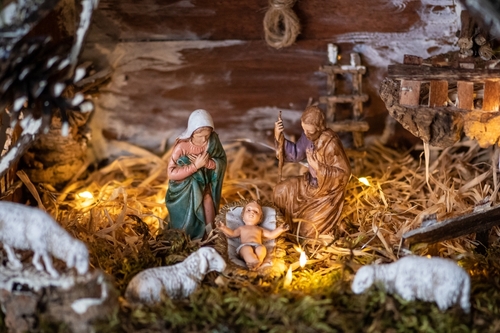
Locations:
{"points": [[491, 95], [438, 93], [465, 42], [410, 93], [465, 95], [330, 86], [331, 107]]}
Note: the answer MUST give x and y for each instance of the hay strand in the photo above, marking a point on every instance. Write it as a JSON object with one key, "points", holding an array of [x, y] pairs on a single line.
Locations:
{"points": [[124, 225]]}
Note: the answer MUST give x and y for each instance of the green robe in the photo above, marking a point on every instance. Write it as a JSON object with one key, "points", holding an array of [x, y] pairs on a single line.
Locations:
{"points": [[184, 198]]}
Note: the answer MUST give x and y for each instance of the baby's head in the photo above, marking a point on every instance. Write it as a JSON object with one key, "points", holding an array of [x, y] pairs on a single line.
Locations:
{"points": [[252, 213]]}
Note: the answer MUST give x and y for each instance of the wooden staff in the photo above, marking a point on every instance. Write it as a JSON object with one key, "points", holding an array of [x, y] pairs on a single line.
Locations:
{"points": [[280, 151]]}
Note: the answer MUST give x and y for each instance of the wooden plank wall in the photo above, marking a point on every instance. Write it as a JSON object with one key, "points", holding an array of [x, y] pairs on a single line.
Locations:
{"points": [[172, 57]]}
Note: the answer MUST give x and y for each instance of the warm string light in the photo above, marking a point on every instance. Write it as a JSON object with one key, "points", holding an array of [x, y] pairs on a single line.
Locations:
{"points": [[288, 277], [87, 198], [303, 259], [85, 195], [364, 181], [301, 263]]}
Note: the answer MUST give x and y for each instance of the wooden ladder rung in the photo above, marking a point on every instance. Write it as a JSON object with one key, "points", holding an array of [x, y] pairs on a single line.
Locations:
{"points": [[335, 69], [353, 153], [349, 126], [343, 98]]}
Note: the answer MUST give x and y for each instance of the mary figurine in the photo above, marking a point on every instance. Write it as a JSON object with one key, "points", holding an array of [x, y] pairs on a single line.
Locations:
{"points": [[195, 171]]}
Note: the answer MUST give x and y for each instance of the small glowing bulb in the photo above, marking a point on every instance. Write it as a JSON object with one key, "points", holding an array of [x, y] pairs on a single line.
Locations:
{"points": [[303, 259], [364, 181], [86, 195], [288, 277]]}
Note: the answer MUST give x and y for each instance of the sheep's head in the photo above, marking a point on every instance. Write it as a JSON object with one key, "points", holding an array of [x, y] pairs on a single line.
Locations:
{"points": [[211, 260], [363, 280], [79, 258]]}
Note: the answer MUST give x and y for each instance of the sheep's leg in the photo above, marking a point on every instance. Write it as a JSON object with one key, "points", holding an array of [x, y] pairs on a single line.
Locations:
{"points": [[48, 265], [36, 261], [464, 297], [13, 261]]}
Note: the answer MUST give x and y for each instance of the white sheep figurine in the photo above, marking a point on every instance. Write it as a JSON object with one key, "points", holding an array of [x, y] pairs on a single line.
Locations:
{"points": [[413, 277], [28, 228], [176, 281]]}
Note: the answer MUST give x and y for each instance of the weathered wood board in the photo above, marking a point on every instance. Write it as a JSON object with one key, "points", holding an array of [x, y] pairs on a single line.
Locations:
{"points": [[455, 227], [465, 91], [239, 19], [491, 101], [172, 57], [410, 92], [438, 93]]}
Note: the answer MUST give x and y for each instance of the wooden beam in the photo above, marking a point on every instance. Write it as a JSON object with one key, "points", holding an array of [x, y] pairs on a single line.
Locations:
{"points": [[438, 93], [455, 227], [465, 95], [426, 73], [491, 98], [410, 93]]}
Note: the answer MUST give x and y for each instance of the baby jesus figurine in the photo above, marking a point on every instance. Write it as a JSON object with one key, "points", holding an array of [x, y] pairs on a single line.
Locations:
{"points": [[251, 249]]}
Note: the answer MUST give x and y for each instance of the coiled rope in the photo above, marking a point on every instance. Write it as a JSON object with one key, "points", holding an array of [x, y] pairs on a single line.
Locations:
{"points": [[281, 24]]}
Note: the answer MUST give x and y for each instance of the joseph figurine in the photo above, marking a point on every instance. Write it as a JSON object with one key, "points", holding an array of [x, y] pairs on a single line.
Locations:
{"points": [[316, 198]]}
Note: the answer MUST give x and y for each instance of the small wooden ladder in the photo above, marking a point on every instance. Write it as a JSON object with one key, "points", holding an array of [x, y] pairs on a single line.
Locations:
{"points": [[356, 98]]}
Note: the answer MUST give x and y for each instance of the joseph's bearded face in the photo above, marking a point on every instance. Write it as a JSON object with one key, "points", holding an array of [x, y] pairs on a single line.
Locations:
{"points": [[311, 132]]}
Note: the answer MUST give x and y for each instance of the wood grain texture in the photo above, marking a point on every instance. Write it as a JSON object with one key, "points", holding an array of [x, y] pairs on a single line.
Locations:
{"points": [[436, 73], [491, 99], [171, 57], [465, 91], [438, 126], [438, 93], [455, 227], [242, 84], [410, 92], [240, 19]]}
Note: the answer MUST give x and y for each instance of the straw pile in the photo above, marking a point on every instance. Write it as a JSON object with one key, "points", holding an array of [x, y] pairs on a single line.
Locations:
{"points": [[123, 224]]}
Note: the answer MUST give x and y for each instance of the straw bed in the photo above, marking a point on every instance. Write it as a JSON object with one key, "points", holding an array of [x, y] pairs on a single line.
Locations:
{"points": [[124, 226]]}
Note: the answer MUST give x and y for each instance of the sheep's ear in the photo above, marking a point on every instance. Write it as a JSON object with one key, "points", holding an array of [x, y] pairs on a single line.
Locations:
{"points": [[203, 264]]}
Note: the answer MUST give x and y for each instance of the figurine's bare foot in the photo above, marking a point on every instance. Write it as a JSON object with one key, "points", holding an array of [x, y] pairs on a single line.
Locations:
{"points": [[253, 265], [15, 265], [266, 264]]}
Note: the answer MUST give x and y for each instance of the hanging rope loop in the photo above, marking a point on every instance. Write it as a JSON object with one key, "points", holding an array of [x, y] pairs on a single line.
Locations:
{"points": [[281, 24]]}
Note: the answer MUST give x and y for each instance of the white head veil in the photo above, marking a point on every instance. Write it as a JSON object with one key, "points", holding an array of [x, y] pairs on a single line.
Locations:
{"points": [[198, 118]]}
